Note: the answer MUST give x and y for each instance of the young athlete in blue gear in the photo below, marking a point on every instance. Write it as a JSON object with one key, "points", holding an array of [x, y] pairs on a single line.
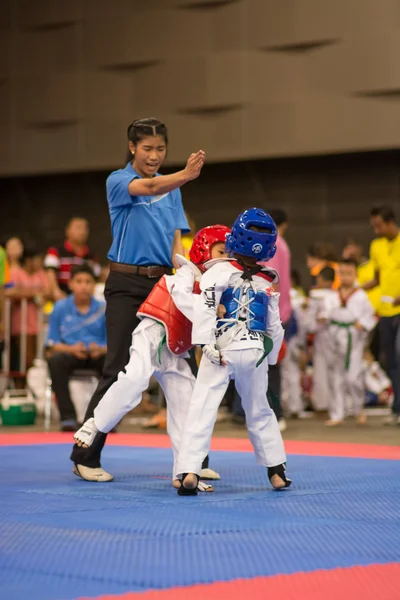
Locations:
{"points": [[239, 346]]}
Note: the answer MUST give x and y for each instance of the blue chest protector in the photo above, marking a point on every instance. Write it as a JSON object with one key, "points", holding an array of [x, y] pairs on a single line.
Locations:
{"points": [[250, 307]]}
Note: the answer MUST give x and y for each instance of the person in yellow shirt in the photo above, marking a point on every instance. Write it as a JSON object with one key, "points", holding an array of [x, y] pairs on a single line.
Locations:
{"points": [[365, 270], [385, 256]]}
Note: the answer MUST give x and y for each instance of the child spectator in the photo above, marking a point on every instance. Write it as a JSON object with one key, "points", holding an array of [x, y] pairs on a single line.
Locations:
{"points": [[378, 387], [365, 270], [76, 339], [60, 259], [315, 320], [296, 342], [320, 255], [349, 318]]}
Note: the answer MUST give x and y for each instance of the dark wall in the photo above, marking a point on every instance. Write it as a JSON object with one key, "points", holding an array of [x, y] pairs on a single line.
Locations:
{"points": [[326, 198]]}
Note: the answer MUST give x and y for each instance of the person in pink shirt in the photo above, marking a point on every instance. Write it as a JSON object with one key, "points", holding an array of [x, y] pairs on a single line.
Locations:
{"points": [[27, 281], [281, 263]]}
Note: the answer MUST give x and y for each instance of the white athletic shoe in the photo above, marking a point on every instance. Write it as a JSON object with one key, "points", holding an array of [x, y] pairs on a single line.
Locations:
{"points": [[91, 474], [87, 433], [210, 474]]}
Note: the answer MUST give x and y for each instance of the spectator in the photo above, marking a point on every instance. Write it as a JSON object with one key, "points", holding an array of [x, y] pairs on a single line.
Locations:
{"points": [[365, 270], [280, 262], [385, 255], [59, 260], [319, 297], [349, 319], [294, 362], [28, 281], [4, 281], [76, 339], [14, 250], [319, 256]]}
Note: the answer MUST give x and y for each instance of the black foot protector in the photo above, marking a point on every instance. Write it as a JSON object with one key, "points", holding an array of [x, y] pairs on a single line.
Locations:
{"points": [[183, 491], [280, 471]]}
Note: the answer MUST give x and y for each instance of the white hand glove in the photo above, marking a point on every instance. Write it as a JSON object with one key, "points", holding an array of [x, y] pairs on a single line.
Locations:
{"points": [[181, 261], [213, 355]]}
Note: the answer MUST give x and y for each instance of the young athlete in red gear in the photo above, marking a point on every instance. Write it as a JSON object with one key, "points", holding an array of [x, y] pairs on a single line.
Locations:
{"points": [[159, 347]]}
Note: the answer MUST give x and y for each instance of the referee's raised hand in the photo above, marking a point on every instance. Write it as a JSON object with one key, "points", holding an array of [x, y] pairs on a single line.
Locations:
{"points": [[194, 165]]}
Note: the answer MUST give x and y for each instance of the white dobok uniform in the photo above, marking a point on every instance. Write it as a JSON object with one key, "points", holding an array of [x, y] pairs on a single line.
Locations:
{"points": [[321, 354], [242, 349], [290, 368], [346, 346], [150, 355]]}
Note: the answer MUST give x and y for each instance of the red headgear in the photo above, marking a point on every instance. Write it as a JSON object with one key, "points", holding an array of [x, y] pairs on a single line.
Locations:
{"points": [[204, 240]]}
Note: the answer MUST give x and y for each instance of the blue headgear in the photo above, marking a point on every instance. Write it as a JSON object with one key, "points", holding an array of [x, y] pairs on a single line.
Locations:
{"points": [[258, 244]]}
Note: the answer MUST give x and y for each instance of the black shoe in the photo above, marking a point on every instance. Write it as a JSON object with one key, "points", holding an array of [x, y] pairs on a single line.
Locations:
{"points": [[69, 425], [238, 420]]}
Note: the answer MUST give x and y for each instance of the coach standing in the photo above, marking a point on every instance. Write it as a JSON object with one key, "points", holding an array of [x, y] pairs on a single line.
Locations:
{"points": [[147, 221]]}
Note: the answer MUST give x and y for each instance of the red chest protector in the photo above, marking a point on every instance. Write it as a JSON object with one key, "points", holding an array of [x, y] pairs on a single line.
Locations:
{"points": [[160, 307]]}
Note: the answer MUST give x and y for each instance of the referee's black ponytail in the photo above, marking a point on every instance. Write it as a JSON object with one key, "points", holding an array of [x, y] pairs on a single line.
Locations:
{"points": [[142, 128]]}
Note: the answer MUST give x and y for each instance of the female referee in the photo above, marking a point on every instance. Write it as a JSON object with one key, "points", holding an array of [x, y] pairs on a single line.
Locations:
{"points": [[147, 221]]}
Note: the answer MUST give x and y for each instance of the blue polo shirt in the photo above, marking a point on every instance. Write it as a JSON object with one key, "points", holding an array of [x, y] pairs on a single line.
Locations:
{"points": [[143, 227], [68, 326]]}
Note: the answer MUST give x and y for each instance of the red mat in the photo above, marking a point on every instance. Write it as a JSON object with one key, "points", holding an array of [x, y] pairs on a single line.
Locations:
{"points": [[373, 582], [146, 440]]}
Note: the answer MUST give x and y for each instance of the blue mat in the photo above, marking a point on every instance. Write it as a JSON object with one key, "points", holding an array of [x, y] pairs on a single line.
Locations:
{"points": [[61, 538]]}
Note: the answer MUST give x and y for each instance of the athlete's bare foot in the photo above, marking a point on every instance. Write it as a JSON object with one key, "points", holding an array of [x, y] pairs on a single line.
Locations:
{"points": [[190, 481], [332, 423], [277, 477], [362, 418], [202, 486], [277, 482]]}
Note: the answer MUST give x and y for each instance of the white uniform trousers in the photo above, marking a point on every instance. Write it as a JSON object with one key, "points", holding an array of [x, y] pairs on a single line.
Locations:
{"points": [[321, 366], [211, 384], [172, 372], [291, 378], [347, 382]]}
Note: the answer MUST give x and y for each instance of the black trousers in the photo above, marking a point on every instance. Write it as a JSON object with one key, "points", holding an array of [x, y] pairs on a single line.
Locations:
{"points": [[61, 365], [389, 331], [124, 294]]}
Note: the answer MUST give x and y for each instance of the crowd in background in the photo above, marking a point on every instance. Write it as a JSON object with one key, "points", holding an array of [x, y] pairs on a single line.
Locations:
{"points": [[304, 379]]}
